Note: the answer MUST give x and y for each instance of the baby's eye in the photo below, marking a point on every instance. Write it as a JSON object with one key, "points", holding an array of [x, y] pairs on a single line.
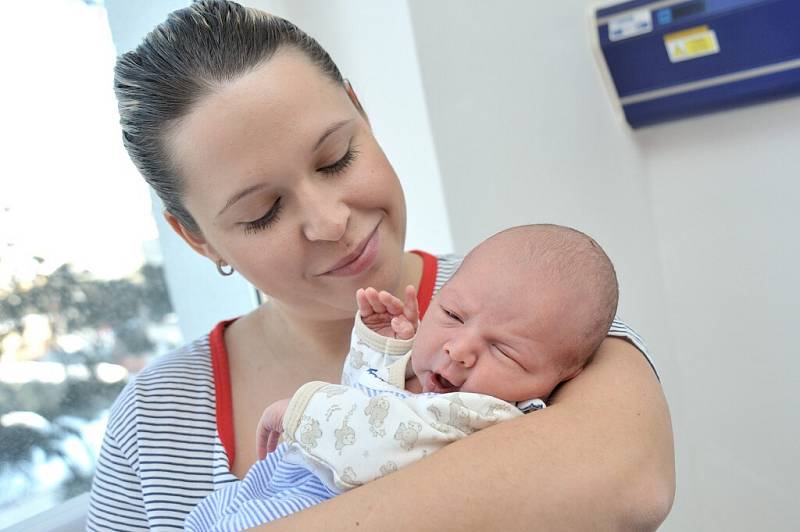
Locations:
{"points": [[500, 352], [453, 315]]}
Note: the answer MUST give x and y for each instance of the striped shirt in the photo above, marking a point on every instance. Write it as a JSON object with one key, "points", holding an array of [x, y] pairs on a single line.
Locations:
{"points": [[169, 439]]}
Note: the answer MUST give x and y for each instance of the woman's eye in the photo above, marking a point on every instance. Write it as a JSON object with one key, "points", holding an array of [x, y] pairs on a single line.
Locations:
{"points": [[265, 221], [341, 164]]}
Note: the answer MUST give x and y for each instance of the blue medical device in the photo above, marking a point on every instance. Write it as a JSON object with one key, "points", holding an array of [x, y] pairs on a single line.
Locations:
{"points": [[672, 59]]}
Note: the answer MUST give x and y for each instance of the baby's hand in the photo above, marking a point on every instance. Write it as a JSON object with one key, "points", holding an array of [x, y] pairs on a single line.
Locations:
{"points": [[387, 315], [270, 428]]}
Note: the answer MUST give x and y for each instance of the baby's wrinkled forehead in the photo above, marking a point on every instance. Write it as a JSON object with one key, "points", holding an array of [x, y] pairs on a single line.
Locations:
{"points": [[497, 266]]}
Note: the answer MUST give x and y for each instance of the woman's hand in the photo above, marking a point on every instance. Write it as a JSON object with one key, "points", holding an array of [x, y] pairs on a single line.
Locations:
{"points": [[270, 428], [387, 315]]}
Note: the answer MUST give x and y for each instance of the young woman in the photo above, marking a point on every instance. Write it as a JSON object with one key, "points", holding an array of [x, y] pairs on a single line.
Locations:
{"points": [[266, 164]]}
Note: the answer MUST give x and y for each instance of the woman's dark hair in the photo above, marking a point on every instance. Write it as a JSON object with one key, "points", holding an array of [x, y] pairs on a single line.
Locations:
{"points": [[188, 56]]}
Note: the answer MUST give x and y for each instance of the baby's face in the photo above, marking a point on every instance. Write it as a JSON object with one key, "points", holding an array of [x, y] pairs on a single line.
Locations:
{"points": [[493, 333]]}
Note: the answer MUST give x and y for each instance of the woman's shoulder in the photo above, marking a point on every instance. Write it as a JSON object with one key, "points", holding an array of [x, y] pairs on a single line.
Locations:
{"points": [[620, 329], [446, 266], [177, 384], [193, 357]]}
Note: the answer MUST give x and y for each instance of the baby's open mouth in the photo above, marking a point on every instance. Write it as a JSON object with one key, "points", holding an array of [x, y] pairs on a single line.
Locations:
{"points": [[442, 382]]}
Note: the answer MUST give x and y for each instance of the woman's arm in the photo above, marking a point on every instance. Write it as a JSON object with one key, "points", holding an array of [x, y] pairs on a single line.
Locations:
{"points": [[601, 457], [116, 501]]}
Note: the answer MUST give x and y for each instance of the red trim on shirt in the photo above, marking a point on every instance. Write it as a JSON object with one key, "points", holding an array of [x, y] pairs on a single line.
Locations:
{"points": [[221, 369], [428, 281], [222, 389]]}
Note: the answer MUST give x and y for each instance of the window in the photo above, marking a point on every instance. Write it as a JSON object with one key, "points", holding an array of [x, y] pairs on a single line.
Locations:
{"points": [[83, 300]]}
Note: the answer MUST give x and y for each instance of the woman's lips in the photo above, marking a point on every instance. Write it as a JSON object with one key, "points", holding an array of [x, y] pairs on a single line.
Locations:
{"points": [[360, 260]]}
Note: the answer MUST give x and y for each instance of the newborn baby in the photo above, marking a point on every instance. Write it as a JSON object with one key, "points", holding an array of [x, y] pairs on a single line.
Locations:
{"points": [[525, 311]]}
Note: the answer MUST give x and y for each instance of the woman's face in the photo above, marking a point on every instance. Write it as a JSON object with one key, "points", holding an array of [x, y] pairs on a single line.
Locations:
{"points": [[288, 185]]}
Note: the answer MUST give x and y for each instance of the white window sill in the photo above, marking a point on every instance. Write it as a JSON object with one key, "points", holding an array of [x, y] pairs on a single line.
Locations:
{"points": [[69, 516]]}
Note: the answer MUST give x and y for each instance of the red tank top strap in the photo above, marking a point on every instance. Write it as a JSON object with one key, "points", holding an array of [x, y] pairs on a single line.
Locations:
{"points": [[222, 389], [428, 281]]}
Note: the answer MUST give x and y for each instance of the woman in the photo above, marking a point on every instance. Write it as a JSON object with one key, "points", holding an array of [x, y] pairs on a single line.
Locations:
{"points": [[266, 164]]}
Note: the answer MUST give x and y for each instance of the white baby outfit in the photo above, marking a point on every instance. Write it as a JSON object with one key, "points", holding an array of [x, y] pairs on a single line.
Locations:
{"points": [[368, 426]]}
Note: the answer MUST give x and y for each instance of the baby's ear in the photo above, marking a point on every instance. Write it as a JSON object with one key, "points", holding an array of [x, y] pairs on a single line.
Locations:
{"points": [[572, 374]]}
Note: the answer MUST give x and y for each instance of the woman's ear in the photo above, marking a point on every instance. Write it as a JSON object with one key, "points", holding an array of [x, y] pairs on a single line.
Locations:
{"points": [[195, 241], [354, 98]]}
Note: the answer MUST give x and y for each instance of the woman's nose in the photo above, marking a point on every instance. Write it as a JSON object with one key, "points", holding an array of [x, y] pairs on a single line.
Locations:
{"points": [[325, 215]]}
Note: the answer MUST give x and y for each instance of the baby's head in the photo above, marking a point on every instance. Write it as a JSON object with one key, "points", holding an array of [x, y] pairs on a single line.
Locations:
{"points": [[524, 312]]}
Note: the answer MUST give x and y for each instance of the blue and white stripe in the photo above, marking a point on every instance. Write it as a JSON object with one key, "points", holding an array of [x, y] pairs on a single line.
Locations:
{"points": [[161, 453], [273, 488]]}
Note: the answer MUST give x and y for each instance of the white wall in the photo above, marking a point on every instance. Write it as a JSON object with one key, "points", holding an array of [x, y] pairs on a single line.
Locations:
{"points": [[700, 217], [725, 201]]}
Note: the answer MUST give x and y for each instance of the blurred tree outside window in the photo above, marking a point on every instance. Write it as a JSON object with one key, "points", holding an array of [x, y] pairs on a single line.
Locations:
{"points": [[83, 301]]}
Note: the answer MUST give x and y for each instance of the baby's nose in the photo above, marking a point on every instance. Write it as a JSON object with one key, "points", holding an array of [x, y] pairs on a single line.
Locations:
{"points": [[461, 353]]}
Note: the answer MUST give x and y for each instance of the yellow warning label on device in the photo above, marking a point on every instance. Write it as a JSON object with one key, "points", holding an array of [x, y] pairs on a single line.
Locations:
{"points": [[688, 44]]}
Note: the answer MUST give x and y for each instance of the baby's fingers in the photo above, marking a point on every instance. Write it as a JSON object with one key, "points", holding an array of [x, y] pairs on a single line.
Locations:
{"points": [[364, 308], [272, 443], [374, 300], [393, 305], [411, 306], [262, 441], [403, 329]]}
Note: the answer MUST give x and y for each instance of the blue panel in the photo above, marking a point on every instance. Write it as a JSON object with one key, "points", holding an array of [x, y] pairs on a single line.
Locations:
{"points": [[759, 37], [710, 5], [728, 96], [751, 34], [664, 16], [622, 6]]}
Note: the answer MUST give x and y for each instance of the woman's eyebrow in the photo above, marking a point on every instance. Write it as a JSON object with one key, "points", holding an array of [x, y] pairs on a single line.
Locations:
{"points": [[249, 190], [239, 195], [330, 131]]}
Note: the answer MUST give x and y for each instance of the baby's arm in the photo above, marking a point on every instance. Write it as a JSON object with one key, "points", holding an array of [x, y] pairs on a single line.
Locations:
{"points": [[383, 331], [350, 436]]}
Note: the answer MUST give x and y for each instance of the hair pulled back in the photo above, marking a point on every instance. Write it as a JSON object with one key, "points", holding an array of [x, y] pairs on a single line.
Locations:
{"points": [[188, 56]]}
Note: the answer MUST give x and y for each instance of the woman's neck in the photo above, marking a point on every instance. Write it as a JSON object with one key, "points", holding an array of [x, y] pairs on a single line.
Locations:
{"points": [[411, 274], [318, 342], [317, 339]]}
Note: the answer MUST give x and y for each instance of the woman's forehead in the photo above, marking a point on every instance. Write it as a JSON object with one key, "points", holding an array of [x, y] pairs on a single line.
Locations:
{"points": [[277, 111]]}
